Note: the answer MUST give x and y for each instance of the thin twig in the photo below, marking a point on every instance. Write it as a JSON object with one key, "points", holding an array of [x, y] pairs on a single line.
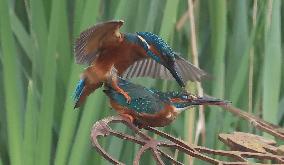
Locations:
{"points": [[251, 60], [180, 23], [200, 129]]}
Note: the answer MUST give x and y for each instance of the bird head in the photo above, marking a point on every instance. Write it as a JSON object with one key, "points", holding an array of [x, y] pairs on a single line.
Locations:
{"points": [[183, 97], [184, 100], [111, 35]]}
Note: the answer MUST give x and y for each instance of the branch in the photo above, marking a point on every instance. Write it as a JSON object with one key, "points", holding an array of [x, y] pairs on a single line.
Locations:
{"points": [[242, 145], [265, 126]]}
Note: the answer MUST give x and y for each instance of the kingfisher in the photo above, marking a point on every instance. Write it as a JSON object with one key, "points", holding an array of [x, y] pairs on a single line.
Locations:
{"points": [[152, 107], [140, 54]]}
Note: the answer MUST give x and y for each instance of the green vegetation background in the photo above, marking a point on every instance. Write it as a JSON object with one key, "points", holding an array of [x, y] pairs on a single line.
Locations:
{"points": [[38, 125]]}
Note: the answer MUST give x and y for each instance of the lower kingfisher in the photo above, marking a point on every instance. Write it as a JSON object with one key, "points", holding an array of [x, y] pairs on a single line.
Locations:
{"points": [[151, 107], [140, 54]]}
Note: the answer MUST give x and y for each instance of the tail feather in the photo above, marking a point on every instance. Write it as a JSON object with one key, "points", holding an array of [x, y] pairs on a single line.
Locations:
{"points": [[78, 91], [83, 90]]}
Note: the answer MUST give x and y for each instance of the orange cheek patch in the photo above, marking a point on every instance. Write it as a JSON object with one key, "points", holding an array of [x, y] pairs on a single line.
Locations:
{"points": [[154, 50], [176, 100]]}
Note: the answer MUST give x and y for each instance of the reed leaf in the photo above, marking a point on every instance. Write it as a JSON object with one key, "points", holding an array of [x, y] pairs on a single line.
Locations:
{"points": [[272, 62], [30, 128], [49, 85], [218, 10], [11, 81]]}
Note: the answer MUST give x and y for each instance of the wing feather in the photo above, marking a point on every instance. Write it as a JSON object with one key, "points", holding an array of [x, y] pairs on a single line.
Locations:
{"points": [[147, 68], [91, 38], [150, 68], [190, 72]]}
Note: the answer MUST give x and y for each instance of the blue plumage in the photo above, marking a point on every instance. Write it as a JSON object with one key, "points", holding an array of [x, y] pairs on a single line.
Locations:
{"points": [[158, 42], [133, 38], [168, 55], [152, 101], [178, 67], [79, 90], [143, 100]]}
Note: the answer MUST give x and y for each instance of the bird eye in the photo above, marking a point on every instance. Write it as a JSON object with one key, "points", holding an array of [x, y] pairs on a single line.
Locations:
{"points": [[184, 97]]}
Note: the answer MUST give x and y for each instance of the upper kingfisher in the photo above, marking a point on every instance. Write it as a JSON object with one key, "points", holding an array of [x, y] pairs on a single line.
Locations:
{"points": [[141, 54], [151, 107]]}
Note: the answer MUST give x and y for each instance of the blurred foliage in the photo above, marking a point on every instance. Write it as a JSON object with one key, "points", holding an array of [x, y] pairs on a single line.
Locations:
{"points": [[38, 125]]}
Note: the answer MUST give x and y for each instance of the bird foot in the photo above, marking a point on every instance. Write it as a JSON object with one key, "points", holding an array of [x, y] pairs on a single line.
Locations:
{"points": [[131, 119], [121, 91], [128, 117], [125, 94], [127, 97]]}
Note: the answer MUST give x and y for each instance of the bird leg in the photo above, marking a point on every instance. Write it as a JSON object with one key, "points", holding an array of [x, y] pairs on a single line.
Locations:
{"points": [[112, 80], [118, 89], [129, 117], [132, 120]]}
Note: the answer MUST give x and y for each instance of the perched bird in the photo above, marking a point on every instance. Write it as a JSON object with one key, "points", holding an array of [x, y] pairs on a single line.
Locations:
{"points": [[140, 54], [152, 107]]}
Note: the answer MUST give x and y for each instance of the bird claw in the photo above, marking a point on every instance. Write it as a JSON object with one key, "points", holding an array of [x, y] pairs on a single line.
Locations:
{"points": [[128, 117], [127, 97]]}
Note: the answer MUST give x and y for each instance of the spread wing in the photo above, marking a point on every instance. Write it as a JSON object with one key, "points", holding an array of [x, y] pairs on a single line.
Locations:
{"points": [[90, 41], [150, 68], [147, 68]]}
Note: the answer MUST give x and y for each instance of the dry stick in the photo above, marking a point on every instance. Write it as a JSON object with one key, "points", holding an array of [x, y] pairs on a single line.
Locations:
{"points": [[265, 126], [180, 23], [251, 60], [201, 120], [269, 15], [194, 53]]}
